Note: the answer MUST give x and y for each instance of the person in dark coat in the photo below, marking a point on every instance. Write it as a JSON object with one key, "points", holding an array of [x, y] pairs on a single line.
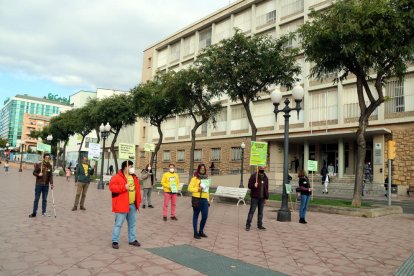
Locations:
{"points": [[259, 193]]}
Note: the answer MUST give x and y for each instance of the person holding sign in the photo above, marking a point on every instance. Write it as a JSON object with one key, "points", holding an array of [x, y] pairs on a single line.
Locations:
{"points": [[44, 177], [305, 193], [170, 182], [82, 178], [147, 179], [126, 199], [199, 186], [259, 193]]}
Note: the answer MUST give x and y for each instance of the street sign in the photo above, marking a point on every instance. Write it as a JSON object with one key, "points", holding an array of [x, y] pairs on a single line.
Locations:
{"points": [[312, 165], [43, 147], [127, 151], [94, 151], [149, 147], [258, 153]]}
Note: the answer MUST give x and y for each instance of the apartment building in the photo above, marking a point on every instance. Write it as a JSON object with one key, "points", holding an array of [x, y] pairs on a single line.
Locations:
{"points": [[325, 128]]}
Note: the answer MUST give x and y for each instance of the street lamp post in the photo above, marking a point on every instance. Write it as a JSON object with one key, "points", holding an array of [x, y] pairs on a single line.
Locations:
{"points": [[21, 156], [109, 155], [49, 139], [105, 131], [242, 146], [7, 151], [283, 213]]}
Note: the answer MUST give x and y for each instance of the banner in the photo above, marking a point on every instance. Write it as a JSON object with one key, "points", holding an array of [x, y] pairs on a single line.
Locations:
{"points": [[149, 147], [258, 154], [94, 151], [126, 151], [44, 147], [312, 166]]}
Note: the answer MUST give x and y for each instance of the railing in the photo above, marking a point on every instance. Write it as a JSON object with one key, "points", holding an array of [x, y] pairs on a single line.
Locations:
{"points": [[267, 18], [402, 103], [292, 7]]}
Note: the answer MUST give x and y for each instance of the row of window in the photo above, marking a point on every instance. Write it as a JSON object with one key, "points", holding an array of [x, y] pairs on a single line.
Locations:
{"points": [[215, 155]]}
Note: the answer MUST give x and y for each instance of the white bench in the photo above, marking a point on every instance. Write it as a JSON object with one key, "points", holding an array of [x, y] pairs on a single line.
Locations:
{"points": [[56, 172], [106, 179], [231, 192], [161, 188]]}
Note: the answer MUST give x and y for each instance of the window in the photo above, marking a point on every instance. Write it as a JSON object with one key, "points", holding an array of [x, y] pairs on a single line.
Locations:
{"points": [[166, 155], [215, 154], [236, 154], [175, 52], [205, 38], [243, 20], [162, 58], [180, 155], [149, 62], [395, 90], [197, 154], [266, 13], [188, 45]]}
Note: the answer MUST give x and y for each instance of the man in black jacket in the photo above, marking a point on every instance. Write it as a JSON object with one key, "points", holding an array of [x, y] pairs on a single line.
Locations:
{"points": [[259, 193], [82, 178], [44, 177]]}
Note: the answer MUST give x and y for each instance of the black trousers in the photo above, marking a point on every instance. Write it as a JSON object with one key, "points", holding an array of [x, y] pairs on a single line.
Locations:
{"points": [[256, 202]]}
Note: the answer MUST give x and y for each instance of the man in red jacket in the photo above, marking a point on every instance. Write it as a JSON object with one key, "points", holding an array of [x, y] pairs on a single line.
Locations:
{"points": [[126, 199]]}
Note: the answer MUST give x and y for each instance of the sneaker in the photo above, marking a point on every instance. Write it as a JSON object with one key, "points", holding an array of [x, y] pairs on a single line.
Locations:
{"points": [[302, 221], [201, 234], [75, 208], [33, 215], [135, 243], [164, 218], [150, 206], [115, 245], [82, 208], [174, 218], [45, 215], [197, 237], [247, 227], [261, 227], [143, 206]]}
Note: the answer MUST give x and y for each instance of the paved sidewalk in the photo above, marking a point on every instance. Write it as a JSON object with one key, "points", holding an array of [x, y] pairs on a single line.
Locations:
{"points": [[79, 243]]}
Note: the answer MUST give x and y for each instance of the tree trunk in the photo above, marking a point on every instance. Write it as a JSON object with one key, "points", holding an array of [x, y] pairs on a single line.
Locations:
{"points": [[64, 154], [80, 148], [98, 135], [193, 144], [157, 148], [362, 148], [250, 118], [113, 148]]}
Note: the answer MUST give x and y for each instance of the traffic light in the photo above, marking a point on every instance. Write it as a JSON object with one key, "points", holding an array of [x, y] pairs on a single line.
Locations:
{"points": [[391, 150]]}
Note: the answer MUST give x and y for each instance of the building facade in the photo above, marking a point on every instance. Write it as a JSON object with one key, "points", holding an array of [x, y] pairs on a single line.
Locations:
{"points": [[324, 130], [23, 113]]}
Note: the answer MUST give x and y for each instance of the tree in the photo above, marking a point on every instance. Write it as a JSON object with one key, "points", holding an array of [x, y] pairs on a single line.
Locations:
{"points": [[243, 66], [194, 100], [82, 123], [154, 104], [119, 112], [62, 127], [372, 40], [3, 142]]}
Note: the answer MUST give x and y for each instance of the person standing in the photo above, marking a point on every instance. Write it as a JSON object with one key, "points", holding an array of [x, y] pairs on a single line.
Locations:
{"points": [[259, 193], [82, 178], [305, 193], [6, 166], [126, 199], [200, 198], [67, 173], [326, 183], [324, 172], [44, 177], [146, 177], [111, 169], [170, 182], [296, 164], [368, 172], [212, 167], [331, 171]]}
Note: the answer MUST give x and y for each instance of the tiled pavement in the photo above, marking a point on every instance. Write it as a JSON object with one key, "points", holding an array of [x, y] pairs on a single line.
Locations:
{"points": [[79, 243]]}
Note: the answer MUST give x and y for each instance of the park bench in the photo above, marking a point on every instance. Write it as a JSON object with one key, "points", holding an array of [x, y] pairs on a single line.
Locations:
{"points": [[231, 192], [410, 190], [179, 190]]}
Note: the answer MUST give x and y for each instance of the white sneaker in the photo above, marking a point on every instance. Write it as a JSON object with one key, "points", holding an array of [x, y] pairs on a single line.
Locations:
{"points": [[45, 215]]}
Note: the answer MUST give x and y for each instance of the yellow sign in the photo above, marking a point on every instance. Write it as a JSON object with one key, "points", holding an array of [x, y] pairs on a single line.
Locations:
{"points": [[126, 151], [258, 153], [391, 150], [149, 147]]}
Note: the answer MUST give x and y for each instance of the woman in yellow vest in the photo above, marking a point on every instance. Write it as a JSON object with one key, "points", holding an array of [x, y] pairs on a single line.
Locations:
{"points": [[199, 186], [170, 182]]}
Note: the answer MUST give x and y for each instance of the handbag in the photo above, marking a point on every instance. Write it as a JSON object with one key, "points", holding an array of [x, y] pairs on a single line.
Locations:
{"points": [[195, 201]]}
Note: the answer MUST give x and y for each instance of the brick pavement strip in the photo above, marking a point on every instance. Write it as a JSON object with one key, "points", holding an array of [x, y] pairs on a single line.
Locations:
{"points": [[79, 243]]}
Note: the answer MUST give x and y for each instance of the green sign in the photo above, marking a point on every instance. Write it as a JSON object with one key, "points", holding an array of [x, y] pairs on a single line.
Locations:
{"points": [[56, 98], [149, 147], [126, 151], [288, 189], [43, 147], [258, 154], [312, 166]]}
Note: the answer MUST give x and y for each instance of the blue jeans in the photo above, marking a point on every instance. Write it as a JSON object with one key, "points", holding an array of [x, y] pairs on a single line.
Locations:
{"points": [[131, 218], [203, 208], [304, 202], [44, 190], [254, 203]]}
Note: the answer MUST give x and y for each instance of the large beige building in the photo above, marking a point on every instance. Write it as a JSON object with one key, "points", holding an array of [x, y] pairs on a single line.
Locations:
{"points": [[325, 129]]}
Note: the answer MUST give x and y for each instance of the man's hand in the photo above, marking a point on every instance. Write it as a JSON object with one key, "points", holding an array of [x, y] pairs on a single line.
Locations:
{"points": [[40, 174], [127, 186], [256, 184], [51, 186], [265, 201]]}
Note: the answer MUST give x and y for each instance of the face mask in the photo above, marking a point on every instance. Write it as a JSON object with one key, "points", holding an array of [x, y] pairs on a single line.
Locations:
{"points": [[131, 170], [47, 161], [261, 171], [149, 168], [171, 170], [202, 171]]}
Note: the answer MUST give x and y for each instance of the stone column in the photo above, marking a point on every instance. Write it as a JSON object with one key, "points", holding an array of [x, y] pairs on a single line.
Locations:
{"points": [[341, 158]]}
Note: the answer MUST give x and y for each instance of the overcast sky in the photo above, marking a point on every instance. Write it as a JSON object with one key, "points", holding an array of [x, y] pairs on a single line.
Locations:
{"points": [[61, 47]]}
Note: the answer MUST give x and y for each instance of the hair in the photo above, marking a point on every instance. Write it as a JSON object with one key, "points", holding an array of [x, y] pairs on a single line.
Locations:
{"points": [[124, 164], [171, 164], [301, 173], [197, 172], [46, 154]]}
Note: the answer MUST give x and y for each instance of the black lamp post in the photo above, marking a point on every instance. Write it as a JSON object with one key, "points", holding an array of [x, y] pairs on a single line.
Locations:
{"points": [[283, 213], [49, 139], [242, 146], [105, 131], [21, 156], [155, 169], [109, 155], [7, 151]]}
